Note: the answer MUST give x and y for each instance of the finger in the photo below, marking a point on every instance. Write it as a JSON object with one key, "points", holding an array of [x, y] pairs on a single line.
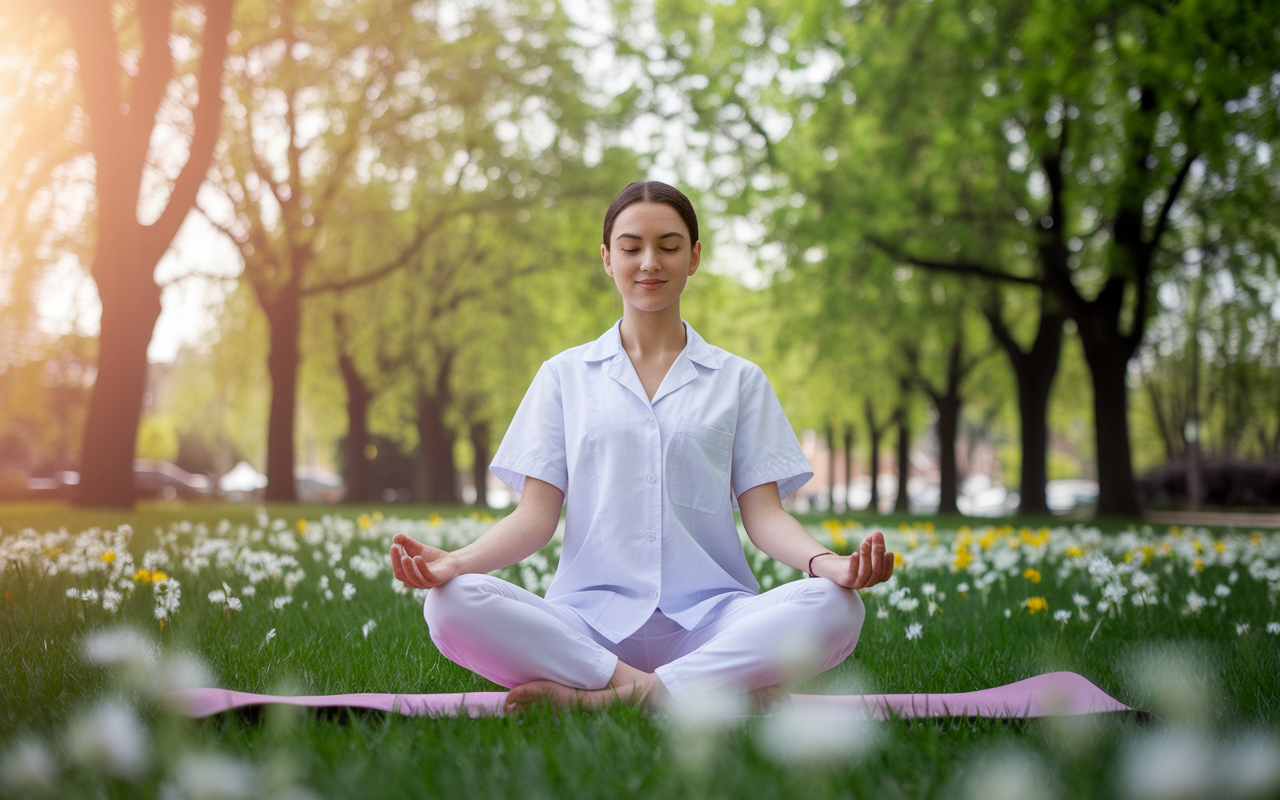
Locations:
{"points": [[396, 554], [411, 578], [864, 563], [851, 574], [888, 566], [412, 547], [877, 557], [422, 571]]}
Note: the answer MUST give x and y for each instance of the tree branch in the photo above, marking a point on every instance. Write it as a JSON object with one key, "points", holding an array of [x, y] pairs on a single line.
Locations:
{"points": [[208, 119], [155, 70], [956, 267]]}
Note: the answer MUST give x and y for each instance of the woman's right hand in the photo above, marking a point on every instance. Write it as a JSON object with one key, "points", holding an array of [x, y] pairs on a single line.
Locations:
{"points": [[420, 566]]}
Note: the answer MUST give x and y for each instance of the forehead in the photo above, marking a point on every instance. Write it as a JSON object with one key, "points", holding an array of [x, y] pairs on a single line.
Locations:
{"points": [[649, 219]]}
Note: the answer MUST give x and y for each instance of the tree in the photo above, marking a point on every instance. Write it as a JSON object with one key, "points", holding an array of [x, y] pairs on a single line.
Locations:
{"points": [[132, 85]]}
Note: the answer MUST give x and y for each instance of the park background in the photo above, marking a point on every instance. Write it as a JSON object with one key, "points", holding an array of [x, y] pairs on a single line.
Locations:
{"points": [[1015, 258], [977, 245]]}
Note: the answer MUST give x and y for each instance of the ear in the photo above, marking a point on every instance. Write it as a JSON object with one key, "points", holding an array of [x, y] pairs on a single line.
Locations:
{"points": [[604, 256], [695, 257]]}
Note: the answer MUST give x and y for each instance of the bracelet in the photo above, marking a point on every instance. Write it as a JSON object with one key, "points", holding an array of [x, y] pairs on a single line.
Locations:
{"points": [[826, 553]]}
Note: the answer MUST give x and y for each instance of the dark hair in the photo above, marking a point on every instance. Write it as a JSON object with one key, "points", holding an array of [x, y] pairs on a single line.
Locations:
{"points": [[651, 192]]}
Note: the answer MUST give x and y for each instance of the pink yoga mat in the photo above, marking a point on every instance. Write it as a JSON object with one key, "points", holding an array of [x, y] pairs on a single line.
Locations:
{"points": [[1053, 694]]}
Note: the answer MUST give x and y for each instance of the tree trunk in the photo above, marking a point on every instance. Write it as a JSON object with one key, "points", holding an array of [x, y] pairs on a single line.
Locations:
{"points": [[1117, 492], [283, 314], [355, 462], [874, 432], [436, 473], [111, 429], [480, 469], [1034, 372], [901, 503], [948, 407]]}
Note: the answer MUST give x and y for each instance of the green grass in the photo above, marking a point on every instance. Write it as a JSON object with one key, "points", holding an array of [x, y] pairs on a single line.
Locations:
{"points": [[967, 644]]}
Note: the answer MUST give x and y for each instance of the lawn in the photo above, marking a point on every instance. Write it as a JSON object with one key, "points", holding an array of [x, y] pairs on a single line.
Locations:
{"points": [[104, 611]]}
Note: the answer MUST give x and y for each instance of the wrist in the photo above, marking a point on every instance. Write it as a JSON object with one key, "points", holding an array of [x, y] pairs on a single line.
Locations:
{"points": [[815, 558]]}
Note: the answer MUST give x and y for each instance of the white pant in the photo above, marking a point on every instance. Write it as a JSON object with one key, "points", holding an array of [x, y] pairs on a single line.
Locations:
{"points": [[511, 636]]}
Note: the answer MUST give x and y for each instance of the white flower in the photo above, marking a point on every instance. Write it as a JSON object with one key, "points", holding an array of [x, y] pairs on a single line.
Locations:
{"points": [[89, 595], [962, 587], [1007, 613], [1194, 603], [160, 612], [1062, 615], [1233, 577], [281, 602], [908, 605], [1242, 628], [340, 573], [218, 597], [28, 768], [368, 627], [212, 776], [271, 634], [110, 737], [249, 591], [73, 593], [883, 613], [1079, 600], [348, 591], [1273, 628], [914, 631], [1222, 590], [928, 590], [800, 732], [233, 603]]}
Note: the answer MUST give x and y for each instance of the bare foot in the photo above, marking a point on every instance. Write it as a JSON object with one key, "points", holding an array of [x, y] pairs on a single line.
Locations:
{"points": [[643, 692]]}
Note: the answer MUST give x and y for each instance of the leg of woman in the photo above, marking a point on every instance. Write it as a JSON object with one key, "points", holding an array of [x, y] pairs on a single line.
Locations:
{"points": [[512, 636], [790, 633]]}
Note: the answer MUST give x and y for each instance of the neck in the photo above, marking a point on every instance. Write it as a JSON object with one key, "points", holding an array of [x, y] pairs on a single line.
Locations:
{"points": [[652, 332]]}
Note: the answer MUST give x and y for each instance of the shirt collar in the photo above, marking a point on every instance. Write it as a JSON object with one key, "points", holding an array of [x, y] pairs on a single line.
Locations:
{"points": [[610, 344]]}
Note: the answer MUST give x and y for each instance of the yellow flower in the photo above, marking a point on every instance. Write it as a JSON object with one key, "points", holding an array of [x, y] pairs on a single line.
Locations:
{"points": [[1035, 604], [435, 519], [989, 538], [108, 556], [143, 575], [364, 522], [963, 559], [1032, 574], [52, 552], [902, 526], [1075, 551], [157, 576], [377, 516], [964, 530], [486, 518], [1220, 546], [302, 525], [897, 559], [1198, 565]]}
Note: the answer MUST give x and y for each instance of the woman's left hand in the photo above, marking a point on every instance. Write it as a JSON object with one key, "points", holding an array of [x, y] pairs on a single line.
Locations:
{"points": [[866, 567]]}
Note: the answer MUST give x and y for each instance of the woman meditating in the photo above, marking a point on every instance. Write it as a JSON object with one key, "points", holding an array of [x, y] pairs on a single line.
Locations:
{"points": [[651, 437]]}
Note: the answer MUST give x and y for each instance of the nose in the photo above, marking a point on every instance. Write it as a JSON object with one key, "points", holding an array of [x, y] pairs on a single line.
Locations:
{"points": [[649, 259]]}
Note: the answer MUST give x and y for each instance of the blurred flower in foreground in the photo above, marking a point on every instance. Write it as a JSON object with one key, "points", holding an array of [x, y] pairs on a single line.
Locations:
{"points": [[1174, 681], [368, 627], [697, 721], [124, 650], [1172, 763], [1032, 574], [109, 737], [802, 732], [914, 631], [1008, 774], [1035, 604], [28, 767], [210, 776]]}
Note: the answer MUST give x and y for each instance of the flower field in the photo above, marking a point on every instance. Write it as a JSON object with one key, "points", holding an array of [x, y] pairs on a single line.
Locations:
{"points": [[99, 623]]}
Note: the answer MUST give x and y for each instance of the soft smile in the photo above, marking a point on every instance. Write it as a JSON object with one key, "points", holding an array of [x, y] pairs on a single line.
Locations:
{"points": [[650, 284]]}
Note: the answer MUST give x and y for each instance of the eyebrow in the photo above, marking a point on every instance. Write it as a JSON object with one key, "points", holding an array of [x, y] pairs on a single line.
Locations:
{"points": [[663, 236]]}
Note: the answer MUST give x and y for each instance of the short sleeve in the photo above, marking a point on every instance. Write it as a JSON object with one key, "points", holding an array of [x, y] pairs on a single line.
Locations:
{"points": [[765, 447], [534, 445]]}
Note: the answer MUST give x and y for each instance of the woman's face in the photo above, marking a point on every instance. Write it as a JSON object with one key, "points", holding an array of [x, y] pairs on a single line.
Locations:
{"points": [[650, 257]]}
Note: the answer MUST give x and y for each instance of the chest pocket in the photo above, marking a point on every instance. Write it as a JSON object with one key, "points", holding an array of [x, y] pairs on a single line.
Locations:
{"points": [[699, 461]]}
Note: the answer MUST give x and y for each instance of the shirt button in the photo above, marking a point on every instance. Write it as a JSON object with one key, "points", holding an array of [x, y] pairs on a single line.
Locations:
{"points": [[651, 536], [651, 478], [653, 595], [652, 422]]}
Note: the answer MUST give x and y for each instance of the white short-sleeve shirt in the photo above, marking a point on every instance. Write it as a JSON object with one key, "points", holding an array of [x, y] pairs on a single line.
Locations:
{"points": [[650, 486]]}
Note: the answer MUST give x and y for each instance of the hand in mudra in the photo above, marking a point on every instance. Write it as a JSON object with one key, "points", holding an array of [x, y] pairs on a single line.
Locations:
{"points": [[866, 567], [421, 566]]}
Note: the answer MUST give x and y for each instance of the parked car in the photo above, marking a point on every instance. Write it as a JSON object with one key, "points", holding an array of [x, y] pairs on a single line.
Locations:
{"points": [[164, 481], [313, 484]]}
